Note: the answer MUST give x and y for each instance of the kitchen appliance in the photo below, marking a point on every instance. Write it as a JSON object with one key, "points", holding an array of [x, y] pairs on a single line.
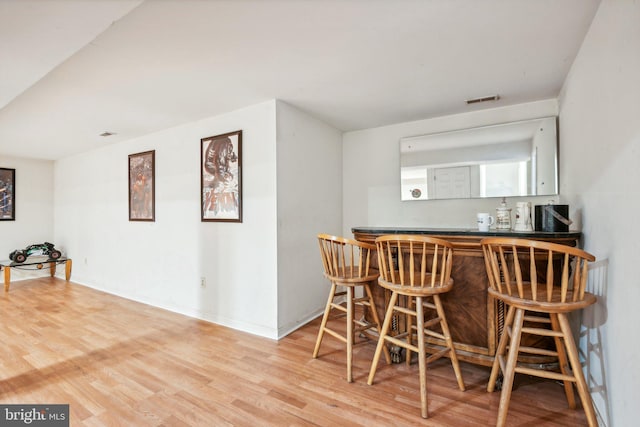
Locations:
{"points": [[552, 218], [523, 217], [503, 216]]}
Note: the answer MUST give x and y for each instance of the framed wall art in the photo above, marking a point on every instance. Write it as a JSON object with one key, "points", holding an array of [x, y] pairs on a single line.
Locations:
{"points": [[142, 186], [221, 177], [7, 194]]}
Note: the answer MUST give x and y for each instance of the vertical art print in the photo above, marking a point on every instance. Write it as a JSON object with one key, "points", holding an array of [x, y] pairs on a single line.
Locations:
{"points": [[142, 203], [7, 194], [221, 177]]}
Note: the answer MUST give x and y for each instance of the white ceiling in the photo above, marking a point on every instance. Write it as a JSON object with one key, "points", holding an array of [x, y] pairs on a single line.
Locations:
{"points": [[71, 69]]}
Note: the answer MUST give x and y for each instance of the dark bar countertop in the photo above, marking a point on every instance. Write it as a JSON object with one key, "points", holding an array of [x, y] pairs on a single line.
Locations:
{"points": [[467, 232]]}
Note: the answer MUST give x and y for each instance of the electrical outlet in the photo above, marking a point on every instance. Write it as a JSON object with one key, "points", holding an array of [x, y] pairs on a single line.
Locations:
{"points": [[203, 282]]}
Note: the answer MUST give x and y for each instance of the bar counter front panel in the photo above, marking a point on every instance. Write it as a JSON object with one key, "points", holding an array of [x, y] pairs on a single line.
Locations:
{"points": [[474, 319]]}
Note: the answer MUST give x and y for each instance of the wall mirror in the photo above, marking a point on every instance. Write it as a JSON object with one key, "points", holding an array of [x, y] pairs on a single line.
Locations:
{"points": [[510, 159]]}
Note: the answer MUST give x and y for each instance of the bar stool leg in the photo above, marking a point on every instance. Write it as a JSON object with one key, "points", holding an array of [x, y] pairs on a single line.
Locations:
{"points": [[509, 373], [576, 367], [409, 328], [325, 317], [502, 347], [374, 314], [563, 361], [349, 333], [381, 340], [422, 361], [447, 337]]}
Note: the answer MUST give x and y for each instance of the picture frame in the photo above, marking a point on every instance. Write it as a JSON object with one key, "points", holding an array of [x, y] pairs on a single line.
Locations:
{"points": [[7, 194], [221, 177], [142, 186]]}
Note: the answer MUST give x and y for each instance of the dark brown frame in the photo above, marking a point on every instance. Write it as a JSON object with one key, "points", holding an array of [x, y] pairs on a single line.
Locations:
{"points": [[221, 177], [142, 165], [7, 194]]}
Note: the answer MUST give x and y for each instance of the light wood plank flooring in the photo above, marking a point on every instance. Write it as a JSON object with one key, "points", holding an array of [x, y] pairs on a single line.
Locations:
{"points": [[121, 363]]}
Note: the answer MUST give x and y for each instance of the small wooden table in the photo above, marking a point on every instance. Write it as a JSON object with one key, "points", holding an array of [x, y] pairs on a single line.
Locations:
{"points": [[34, 265]]}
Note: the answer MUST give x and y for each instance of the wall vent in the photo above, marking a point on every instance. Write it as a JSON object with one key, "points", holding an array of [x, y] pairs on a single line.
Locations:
{"points": [[483, 99]]}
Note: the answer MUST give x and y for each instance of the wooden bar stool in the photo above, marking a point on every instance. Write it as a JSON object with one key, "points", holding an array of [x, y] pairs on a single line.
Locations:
{"points": [[347, 264], [416, 269], [540, 283]]}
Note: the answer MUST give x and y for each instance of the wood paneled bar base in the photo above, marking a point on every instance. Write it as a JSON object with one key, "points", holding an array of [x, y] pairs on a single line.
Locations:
{"points": [[475, 320]]}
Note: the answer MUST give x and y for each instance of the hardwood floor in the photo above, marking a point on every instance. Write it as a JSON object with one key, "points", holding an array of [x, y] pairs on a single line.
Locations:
{"points": [[118, 362]]}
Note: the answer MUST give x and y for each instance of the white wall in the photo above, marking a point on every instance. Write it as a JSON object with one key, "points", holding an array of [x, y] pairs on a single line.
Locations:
{"points": [[162, 262], [371, 168], [600, 173], [309, 164], [33, 209]]}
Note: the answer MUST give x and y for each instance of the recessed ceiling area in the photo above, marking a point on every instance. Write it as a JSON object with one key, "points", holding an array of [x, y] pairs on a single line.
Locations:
{"points": [[72, 69]]}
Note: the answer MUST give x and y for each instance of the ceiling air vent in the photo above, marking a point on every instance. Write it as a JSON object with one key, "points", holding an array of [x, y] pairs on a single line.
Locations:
{"points": [[483, 99]]}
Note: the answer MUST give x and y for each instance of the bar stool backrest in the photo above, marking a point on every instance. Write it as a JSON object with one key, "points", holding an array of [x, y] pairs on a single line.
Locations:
{"points": [[543, 272], [414, 261], [345, 259]]}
